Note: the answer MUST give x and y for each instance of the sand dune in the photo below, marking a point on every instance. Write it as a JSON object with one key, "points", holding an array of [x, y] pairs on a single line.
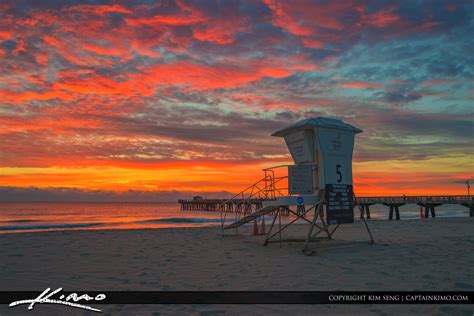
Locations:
{"points": [[434, 254]]}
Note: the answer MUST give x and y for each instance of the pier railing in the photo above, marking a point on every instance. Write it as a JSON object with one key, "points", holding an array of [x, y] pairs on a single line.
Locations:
{"points": [[441, 199]]}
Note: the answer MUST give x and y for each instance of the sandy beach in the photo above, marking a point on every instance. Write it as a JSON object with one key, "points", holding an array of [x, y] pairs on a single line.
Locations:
{"points": [[433, 254]]}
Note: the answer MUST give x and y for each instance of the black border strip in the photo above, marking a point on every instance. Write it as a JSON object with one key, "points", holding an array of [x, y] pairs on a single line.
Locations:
{"points": [[256, 297]]}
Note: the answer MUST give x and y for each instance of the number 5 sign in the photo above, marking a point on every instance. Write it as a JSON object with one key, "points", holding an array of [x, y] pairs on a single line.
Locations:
{"points": [[339, 174], [336, 146]]}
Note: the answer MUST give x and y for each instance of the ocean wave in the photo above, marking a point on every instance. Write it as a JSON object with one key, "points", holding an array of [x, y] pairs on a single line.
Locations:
{"points": [[51, 226], [184, 220], [175, 220]]}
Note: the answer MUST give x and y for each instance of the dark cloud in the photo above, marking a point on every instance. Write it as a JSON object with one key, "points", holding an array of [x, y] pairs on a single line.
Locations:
{"points": [[470, 179], [397, 97], [34, 194]]}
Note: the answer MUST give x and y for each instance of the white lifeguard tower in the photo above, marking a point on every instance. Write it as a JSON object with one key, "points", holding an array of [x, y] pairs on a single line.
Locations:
{"points": [[321, 175], [322, 149]]}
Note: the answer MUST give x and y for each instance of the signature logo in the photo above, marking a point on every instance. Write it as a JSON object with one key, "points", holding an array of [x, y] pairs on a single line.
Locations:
{"points": [[71, 300]]}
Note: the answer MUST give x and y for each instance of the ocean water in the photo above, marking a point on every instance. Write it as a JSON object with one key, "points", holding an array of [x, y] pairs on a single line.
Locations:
{"points": [[16, 217], [33, 217]]}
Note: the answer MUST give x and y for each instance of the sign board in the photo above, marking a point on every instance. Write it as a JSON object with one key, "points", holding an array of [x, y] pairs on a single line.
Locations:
{"points": [[336, 149], [339, 204], [300, 179], [300, 145]]}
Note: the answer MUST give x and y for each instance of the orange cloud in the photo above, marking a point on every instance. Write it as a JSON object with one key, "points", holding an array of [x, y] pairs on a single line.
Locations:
{"points": [[25, 96], [98, 9], [361, 85], [382, 18], [315, 23], [203, 77], [221, 31], [4, 34]]}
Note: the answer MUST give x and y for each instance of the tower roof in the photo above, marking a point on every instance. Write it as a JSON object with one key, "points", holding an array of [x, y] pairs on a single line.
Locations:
{"points": [[310, 123]]}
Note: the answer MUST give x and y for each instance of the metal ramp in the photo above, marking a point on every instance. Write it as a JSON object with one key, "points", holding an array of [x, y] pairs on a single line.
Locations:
{"points": [[251, 217]]}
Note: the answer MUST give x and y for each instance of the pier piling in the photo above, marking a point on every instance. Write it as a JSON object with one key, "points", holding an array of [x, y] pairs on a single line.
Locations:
{"points": [[430, 208], [394, 207], [365, 210], [471, 208]]}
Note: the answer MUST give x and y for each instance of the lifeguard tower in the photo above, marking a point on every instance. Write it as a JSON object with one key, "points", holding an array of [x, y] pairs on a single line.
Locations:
{"points": [[321, 175]]}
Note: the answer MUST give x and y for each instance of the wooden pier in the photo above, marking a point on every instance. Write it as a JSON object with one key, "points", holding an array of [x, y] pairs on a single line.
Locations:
{"points": [[239, 206], [428, 203], [394, 203]]}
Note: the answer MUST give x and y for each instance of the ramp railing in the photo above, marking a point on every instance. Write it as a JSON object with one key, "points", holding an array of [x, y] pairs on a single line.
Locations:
{"points": [[269, 187]]}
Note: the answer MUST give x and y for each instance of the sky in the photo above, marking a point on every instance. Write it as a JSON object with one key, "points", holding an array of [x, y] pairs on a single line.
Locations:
{"points": [[179, 97]]}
